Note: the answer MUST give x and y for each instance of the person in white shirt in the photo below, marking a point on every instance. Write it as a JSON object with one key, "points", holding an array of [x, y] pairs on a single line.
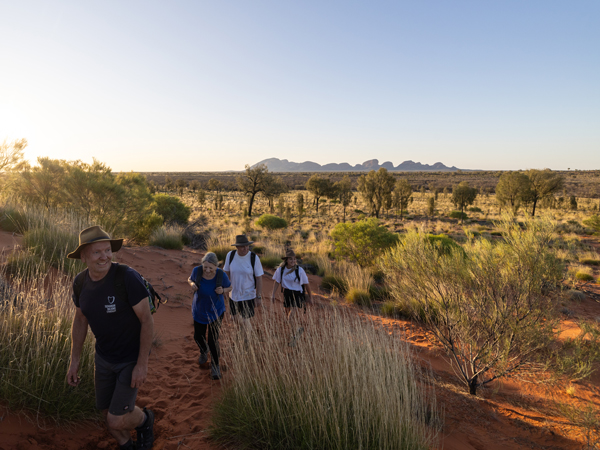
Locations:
{"points": [[296, 290], [245, 272]]}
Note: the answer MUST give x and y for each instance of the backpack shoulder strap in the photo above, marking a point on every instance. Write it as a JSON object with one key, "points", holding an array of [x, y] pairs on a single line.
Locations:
{"points": [[231, 255], [252, 259], [297, 272], [219, 278], [120, 280], [78, 283]]}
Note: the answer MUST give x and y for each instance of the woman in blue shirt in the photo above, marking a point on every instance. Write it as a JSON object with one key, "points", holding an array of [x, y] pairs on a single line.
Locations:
{"points": [[208, 309]]}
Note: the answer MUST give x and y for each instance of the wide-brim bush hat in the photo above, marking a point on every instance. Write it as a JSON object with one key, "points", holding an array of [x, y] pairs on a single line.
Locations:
{"points": [[92, 235], [289, 253], [241, 240]]}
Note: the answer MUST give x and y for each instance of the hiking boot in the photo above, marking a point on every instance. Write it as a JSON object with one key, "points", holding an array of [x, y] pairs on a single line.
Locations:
{"points": [[203, 358], [215, 372], [145, 432]]}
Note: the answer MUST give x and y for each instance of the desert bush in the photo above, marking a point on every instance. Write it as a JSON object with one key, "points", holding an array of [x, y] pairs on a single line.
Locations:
{"points": [[458, 215], [362, 242], [576, 357], [379, 293], [331, 282], [270, 261], [593, 222], [358, 297], [145, 227], [172, 209], [571, 226], [474, 209], [13, 220], [575, 295], [167, 237], [36, 346], [271, 222], [584, 276], [452, 294], [348, 385]]}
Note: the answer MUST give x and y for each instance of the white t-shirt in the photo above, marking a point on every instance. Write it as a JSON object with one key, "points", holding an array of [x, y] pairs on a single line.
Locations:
{"points": [[242, 277], [289, 278]]}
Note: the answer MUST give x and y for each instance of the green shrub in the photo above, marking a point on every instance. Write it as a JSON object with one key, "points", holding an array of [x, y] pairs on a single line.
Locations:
{"points": [[311, 265], [145, 227], [172, 209], [583, 276], [474, 209], [270, 261], [458, 215], [13, 220], [362, 242], [444, 244], [271, 222], [259, 250], [220, 251], [168, 238], [331, 282], [451, 293], [358, 297], [593, 222], [590, 261], [379, 293]]}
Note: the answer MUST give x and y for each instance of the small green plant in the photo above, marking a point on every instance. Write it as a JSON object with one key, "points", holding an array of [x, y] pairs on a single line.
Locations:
{"points": [[458, 215], [583, 276], [167, 237], [358, 297], [474, 209], [362, 242], [172, 209], [331, 282], [271, 222]]}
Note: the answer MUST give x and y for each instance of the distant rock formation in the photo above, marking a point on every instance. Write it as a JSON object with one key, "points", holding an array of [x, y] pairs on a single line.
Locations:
{"points": [[283, 165]]}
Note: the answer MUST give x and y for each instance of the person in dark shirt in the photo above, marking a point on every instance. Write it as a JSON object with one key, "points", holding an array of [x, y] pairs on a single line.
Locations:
{"points": [[123, 328]]}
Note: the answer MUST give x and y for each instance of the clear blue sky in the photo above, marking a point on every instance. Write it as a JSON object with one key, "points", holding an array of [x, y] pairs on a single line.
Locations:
{"points": [[214, 85]]}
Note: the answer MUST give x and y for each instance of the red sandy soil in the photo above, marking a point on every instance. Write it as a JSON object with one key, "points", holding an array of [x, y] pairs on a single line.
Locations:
{"points": [[507, 415]]}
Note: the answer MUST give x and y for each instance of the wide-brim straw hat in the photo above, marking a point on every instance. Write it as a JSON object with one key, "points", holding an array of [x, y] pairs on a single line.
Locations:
{"points": [[289, 253], [241, 240], [92, 235]]}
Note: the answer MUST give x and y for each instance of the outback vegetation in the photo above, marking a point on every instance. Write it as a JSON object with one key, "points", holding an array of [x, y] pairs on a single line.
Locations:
{"points": [[488, 270]]}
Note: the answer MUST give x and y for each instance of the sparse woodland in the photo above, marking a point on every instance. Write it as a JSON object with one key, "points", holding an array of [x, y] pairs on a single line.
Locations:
{"points": [[488, 263]]}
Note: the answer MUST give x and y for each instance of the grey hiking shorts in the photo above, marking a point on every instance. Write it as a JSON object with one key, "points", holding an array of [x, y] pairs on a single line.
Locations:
{"points": [[113, 386]]}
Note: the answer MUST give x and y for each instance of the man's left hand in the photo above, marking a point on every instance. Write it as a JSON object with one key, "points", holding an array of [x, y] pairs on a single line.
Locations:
{"points": [[138, 377]]}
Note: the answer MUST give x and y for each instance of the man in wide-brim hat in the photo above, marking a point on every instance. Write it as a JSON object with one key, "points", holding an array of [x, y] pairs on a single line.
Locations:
{"points": [[123, 327], [245, 271]]}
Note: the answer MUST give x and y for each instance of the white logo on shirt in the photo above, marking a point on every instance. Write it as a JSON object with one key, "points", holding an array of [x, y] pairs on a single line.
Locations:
{"points": [[111, 307]]}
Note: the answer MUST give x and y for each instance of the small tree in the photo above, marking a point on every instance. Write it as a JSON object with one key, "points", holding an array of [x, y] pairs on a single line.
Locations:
{"points": [[512, 189], [11, 155], [172, 209], [194, 185], [319, 187], [201, 197], [402, 195], [463, 195], [363, 241], [489, 306], [273, 190], [254, 180], [431, 206], [300, 205], [543, 184], [343, 189], [374, 187]]}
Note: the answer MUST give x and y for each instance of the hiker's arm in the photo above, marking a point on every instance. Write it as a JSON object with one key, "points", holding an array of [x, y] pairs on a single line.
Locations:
{"points": [[140, 371], [258, 291], [78, 334], [192, 284], [275, 285], [309, 292]]}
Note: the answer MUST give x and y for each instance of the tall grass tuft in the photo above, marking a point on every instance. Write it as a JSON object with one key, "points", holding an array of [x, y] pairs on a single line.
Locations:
{"points": [[36, 345], [168, 237], [347, 384]]}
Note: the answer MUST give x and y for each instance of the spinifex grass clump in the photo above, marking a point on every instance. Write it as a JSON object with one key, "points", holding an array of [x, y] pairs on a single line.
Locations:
{"points": [[167, 237], [346, 384], [35, 347]]}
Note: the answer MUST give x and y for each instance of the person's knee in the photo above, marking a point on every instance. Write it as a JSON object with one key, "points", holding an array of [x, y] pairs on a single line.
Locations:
{"points": [[118, 422]]}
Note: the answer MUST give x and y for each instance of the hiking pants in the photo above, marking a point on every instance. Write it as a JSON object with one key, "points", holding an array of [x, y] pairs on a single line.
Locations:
{"points": [[213, 338]]}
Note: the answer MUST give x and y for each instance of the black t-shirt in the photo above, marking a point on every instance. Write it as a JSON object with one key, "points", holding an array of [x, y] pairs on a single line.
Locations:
{"points": [[113, 320]]}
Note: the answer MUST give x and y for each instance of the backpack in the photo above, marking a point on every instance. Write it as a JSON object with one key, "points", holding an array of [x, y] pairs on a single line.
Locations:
{"points": [[297, 270], [219, 276], [252, 261], [153, 298]]}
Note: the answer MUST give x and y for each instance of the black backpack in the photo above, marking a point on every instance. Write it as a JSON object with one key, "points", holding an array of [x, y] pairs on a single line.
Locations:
{"points": [[252, 261], [153, 298]]}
